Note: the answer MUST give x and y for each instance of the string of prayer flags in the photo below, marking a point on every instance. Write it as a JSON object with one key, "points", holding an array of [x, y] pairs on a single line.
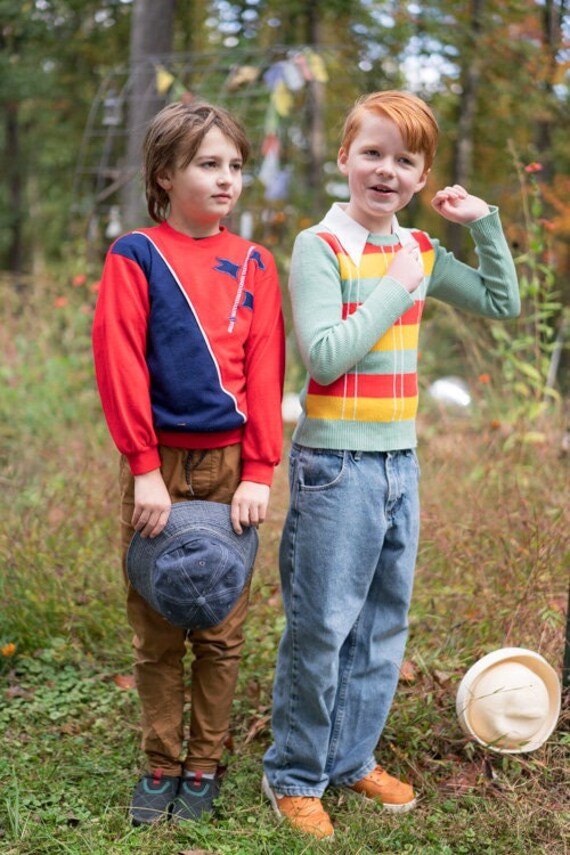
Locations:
{"points": [[242, 75]]}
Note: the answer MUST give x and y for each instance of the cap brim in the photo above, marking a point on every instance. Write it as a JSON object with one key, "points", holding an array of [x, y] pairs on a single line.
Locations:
{"points": [[208, 519], [467, 694]]}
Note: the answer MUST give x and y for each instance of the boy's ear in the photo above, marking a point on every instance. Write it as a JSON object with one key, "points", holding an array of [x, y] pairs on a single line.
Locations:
{"points": [[423, 181], [341, 160], [164, 181]]}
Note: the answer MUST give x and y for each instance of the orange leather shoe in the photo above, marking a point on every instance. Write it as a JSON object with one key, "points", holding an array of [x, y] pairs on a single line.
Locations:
{"points": [[304, 813], [392, 794]]}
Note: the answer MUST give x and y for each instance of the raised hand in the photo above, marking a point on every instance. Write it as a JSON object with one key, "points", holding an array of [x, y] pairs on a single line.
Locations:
{"points": [[458, 206]]}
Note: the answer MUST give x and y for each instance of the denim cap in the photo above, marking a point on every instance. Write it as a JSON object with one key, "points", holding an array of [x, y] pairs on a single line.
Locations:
{"points": [[194, 571]]}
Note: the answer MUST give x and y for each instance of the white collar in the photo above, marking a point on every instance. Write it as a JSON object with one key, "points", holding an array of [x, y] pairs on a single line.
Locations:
{"points": [[351, 234]]}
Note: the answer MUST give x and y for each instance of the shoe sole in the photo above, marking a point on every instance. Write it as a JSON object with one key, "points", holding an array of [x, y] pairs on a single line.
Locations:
{"points": [[270, 796], [390, 808], [164, 817]]}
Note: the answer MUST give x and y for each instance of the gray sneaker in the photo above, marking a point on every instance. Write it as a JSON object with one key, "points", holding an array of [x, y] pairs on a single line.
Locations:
{"points": [[196, 795], [153, 798]]}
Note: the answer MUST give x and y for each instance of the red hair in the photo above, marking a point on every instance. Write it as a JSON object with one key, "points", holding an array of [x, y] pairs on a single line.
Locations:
{"points": [[413, 117]]}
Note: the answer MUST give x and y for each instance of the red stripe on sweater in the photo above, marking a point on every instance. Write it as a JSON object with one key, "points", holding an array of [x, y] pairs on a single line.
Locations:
{"points": [[368, 386], [412, 316]]}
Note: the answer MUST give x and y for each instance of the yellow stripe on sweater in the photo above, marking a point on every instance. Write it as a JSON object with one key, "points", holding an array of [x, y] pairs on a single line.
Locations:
{"points": [[363, 409], [402, 337], [375, 264]]}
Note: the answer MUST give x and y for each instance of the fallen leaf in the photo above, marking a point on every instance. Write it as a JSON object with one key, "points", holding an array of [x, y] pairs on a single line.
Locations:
{"points": [[408, 672], [463, 781], [441, 677], [19, 692], [124, 681], [55, 516], [70, 728], [258, 726]]}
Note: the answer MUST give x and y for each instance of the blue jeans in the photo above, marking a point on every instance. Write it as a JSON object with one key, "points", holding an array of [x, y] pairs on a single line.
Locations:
{"points": [[347, 559]]}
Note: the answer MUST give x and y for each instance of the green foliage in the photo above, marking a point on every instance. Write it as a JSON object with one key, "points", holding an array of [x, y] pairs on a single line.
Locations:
{"points": [[493, 562], [52, 438], [49, 56], [510, 366], [55, 54], [520, 354], [528, 351], [492, 571]]}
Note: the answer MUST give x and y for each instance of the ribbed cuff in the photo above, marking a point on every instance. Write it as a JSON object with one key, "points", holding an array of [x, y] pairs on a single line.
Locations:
{"points": [[145, 461], [261, 473]]}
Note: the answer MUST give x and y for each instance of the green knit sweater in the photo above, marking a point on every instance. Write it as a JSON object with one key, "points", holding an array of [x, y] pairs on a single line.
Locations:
{"points": [[358, 329]]}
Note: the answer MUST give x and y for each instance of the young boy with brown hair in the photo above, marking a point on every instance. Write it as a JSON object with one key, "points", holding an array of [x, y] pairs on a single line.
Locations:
{"points": [[189, 357], [358, 284]]}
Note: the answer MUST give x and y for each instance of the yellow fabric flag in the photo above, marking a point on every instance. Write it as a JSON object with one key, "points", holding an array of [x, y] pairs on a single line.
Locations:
{"points": [[241, 75], [164, 80], [317, 67], [282, 99]]}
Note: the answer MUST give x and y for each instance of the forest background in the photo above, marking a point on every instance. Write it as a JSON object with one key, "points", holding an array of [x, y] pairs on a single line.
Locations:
{"points": [[78, 80]]}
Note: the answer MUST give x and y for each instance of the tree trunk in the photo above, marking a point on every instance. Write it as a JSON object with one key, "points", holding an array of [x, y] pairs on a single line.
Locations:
{"points": [[13, 151], [551, 34], [316, 116], [467, 110], [151, 39]]}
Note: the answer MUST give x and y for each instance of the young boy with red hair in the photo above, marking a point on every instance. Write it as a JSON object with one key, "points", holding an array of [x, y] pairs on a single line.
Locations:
{"points": [[358, 285]]}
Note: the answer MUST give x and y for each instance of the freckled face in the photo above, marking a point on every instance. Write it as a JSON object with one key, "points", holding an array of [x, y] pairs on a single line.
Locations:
{"points": [[383, 174], [207, 189]]}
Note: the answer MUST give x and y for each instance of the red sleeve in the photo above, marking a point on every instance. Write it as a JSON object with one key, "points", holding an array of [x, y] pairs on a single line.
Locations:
{"points": [[264, 373], [119, 348]]}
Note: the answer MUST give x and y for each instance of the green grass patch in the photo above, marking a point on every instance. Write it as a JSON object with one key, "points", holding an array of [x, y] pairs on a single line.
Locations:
{"points": [[492, 571]]}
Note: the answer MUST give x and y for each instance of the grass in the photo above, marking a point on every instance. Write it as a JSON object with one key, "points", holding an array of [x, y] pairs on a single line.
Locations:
{"points": [[492, 571]]}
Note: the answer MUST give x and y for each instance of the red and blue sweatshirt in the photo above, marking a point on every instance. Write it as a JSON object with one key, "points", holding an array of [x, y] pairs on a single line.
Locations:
{"points": [[188, 342]]}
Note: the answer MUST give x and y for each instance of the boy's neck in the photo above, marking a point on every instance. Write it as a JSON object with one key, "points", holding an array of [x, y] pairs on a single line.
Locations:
{"points": [[380, 226], [195, 231]]}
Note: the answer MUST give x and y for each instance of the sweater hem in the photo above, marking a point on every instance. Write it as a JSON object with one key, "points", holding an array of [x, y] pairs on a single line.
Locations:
{"points": [[356, 436], [215, 439]]}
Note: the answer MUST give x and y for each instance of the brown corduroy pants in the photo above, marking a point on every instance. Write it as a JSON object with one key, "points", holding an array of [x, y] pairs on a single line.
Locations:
{"points": [[160, 648]]}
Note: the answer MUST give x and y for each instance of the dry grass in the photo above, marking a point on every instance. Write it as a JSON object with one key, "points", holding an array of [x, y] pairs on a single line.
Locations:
{"points": [[492, 571]]}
